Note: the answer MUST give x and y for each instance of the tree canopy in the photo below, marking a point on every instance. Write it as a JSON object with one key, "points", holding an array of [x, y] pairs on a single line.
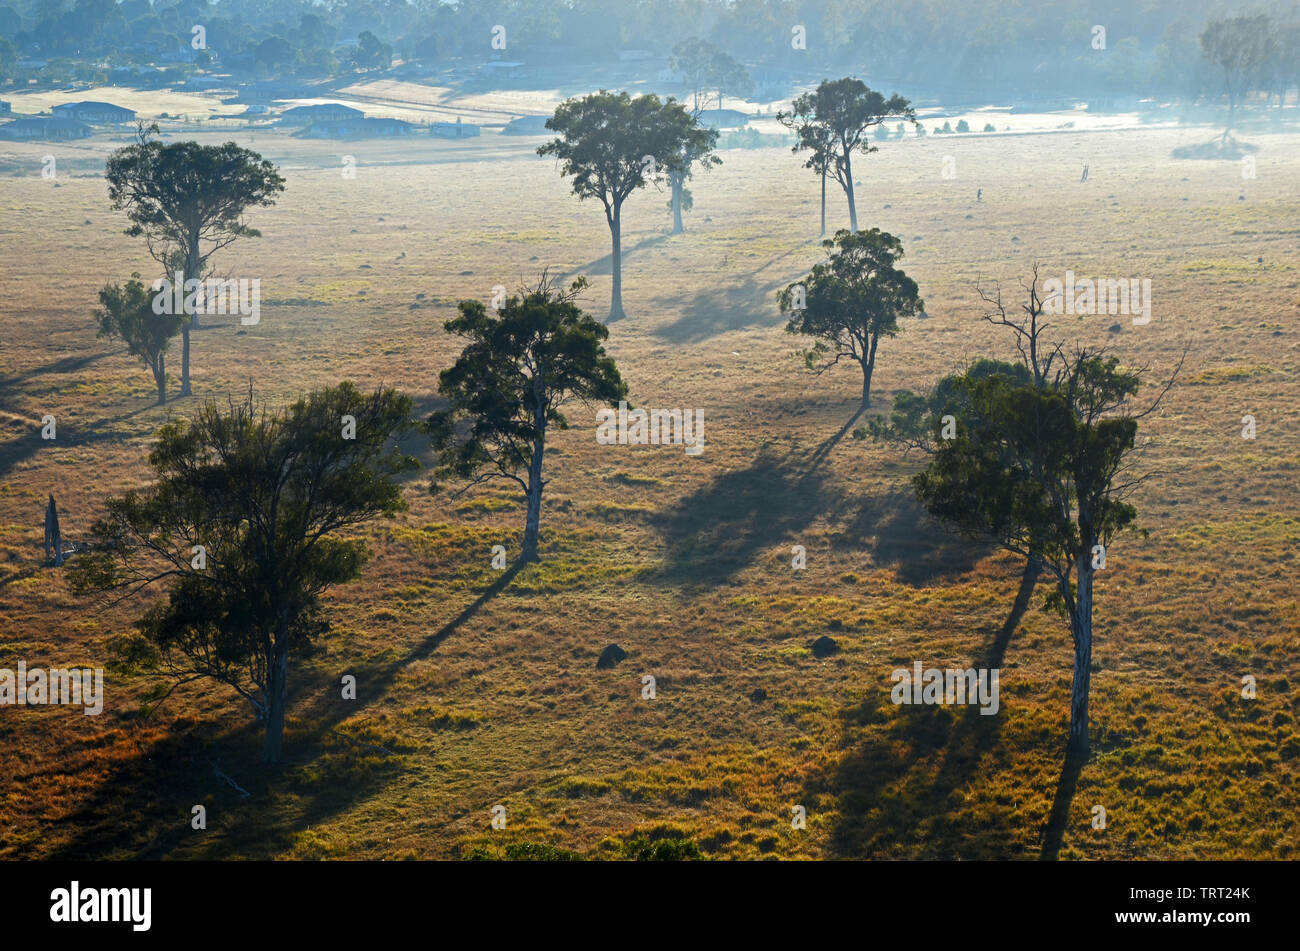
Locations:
{"points": [[244, 527], [1041, 462], [834, 122], [611, 144], [188, 201], [520, 366], [851, 300], [127, 314]]}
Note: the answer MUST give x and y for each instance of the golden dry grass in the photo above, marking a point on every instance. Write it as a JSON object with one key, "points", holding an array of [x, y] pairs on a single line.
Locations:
{"points": [[685, 561]]}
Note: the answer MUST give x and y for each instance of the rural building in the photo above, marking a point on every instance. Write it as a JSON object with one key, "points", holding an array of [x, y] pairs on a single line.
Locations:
{"points": [[363, 128], [324, 112], [91, 111], [723, 118], [526, 125], [269, 90], [44, 128], [454, 130], [502, 69]]}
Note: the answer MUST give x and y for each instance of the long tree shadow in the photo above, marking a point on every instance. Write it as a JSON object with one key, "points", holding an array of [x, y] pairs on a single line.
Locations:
{"points": [[141, 805], [725, 308], [823, 451], [735, 306], [605, 265], [903, 776], [1058, 819], [904, 536], [179, 769], [715, 532], [24, 447], [10, 382]]}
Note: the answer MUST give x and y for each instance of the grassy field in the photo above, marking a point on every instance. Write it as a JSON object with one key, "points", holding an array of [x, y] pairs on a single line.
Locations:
{"points": [[488, 693]]}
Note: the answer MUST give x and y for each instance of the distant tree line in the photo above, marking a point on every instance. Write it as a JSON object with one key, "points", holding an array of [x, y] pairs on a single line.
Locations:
{"points": [[990, 47]]}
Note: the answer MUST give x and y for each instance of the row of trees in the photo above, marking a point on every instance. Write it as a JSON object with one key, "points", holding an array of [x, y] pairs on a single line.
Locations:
{"points": [[612, 144], [244, 523], [1005, 48], [247, 521], [1010, 43], [1254, 55]]}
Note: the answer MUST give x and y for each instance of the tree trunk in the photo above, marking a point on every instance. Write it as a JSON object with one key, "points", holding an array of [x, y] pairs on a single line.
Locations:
{"points": [[868, 367], [1033, 568], [160, 377], [677, 181], [53, 539], [616, 267], [1081, 628], [848, 190], [533, 521], [185, 360], [823, 202], [191, 270], [277, 694]]}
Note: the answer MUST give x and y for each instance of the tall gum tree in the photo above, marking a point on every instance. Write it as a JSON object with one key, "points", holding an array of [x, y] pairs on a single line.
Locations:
{"points": [[188, 201], [846, 110], [247, 522], [1046, 467], [850, 301], [506, 390], [611, 144]]}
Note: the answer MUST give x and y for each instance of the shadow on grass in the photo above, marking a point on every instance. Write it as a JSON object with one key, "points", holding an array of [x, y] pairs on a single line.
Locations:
{"points": [[715, 532], [904, 536], [141, 806], [1059, 817], [604, 265], [733, 305], [903, 777], [19, 575], [1220, 148], [16, 451]]}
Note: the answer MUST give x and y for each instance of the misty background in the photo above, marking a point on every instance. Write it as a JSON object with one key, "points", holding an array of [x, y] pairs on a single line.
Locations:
{"points": [[975, 50]]}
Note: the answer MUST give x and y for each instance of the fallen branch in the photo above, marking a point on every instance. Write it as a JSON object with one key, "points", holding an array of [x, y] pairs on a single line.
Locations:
{"points": [[226, 779]]}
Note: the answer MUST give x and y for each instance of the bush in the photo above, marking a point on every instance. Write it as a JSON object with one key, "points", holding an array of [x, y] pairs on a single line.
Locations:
{"points": [[751, 138], [662, 850], [990, 127], [539, 852], [963, 126], [523, 852]]}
